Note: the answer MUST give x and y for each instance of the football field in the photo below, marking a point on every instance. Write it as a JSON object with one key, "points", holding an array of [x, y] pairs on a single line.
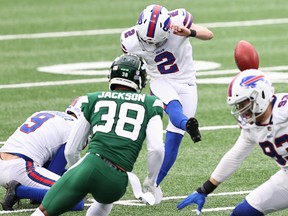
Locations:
{"points": [[54, 51]]}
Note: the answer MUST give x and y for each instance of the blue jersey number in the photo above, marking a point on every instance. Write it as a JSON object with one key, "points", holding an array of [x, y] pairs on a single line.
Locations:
{"points": [[269, 149], [168, 64], [35, 122], [166, 59]]}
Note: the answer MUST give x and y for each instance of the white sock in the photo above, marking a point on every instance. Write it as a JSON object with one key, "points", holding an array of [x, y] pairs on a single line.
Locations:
{"points": [[38, 212], [99, 209]]}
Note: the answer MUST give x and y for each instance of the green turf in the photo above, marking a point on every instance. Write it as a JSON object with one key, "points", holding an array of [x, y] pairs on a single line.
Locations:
{"points": [[19, 60]]}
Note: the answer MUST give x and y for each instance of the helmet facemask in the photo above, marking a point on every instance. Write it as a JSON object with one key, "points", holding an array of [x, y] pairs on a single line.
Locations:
{"points": [[249, 94], [245, 111]]}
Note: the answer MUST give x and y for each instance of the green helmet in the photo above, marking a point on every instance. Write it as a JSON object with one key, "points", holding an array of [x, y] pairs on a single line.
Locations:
{"points": [[128, 70]]}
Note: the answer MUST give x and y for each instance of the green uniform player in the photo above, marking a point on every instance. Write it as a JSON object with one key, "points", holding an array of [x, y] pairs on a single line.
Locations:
{"points": [[118, 122]]}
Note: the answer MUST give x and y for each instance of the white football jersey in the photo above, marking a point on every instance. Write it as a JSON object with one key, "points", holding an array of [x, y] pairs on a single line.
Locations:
{"points": [[173, 59], [40, 136], [272, 138]]}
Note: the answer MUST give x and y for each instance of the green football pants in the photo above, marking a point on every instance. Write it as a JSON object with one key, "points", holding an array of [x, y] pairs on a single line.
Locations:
{"points": [[90, 175]]}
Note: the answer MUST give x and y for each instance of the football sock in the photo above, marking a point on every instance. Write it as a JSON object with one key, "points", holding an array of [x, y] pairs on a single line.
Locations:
{"points": [[37, 195], [244, 208], [175, 111], [78, 207], [99, 209], [172, 144], [58, 163]]}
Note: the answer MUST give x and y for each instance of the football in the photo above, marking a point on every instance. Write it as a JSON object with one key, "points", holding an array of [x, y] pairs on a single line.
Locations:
{"points": [[246, 56]]}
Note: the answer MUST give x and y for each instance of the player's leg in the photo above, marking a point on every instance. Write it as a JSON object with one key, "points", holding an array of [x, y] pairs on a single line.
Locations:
{"points": [[99, 209], [167, 93], [37, 195], [244, 208], [189, 99], [176, 116], [12, 170], [180, 100], [37, 176], [172, 143], [58, 163], [16, 191], [40, 180], [269, 197], [26, 173], [68, 190]]}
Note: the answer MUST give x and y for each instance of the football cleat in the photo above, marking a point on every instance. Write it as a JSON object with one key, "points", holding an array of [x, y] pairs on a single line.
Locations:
{"points": [[193, 130], [10, 197]]}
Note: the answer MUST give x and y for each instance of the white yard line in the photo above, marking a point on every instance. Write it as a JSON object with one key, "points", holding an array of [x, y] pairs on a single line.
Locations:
{"points": [[138, 203], [119, 30], [53, 83], [201, 128]]}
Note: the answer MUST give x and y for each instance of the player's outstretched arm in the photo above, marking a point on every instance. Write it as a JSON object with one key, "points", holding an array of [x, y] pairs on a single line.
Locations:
{"points": [[198, 197]]}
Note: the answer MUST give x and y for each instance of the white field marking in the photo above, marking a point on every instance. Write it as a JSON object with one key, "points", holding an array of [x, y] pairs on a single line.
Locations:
{"points": [[201, 128], [63, 34], [17, 211], [203, 210], [234, 71], [102, 68], [119, 30], [139, 203], [275, 77], [53, 83]]}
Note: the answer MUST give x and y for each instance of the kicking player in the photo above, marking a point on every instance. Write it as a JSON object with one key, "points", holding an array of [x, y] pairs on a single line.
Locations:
{"points": [[162, 39]]}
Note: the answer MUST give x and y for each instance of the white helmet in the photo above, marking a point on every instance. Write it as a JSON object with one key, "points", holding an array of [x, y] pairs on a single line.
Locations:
{"points": [[253, 86], [153, 26], [75, 106]]}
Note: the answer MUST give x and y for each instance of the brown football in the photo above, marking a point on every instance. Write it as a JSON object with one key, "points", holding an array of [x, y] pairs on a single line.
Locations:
{"points": [[246, 56]]}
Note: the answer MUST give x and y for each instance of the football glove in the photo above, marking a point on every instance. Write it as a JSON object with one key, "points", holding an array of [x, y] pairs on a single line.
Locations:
{"points": [[151, 187], [194, 198]]}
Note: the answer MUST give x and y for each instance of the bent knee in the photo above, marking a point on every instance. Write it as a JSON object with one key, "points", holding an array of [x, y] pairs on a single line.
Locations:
{"points": [[244, 209]]}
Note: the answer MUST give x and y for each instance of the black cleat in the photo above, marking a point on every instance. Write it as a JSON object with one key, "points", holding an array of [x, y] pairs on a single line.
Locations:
{"points": [[10, 197], [192, 129]]}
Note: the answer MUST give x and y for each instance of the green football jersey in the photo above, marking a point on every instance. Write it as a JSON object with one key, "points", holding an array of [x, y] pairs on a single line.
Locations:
{"points": [[119, 120]]}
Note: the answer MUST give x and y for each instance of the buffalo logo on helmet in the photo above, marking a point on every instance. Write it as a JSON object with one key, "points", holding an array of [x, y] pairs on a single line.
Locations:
{"points": [[251, 81]]}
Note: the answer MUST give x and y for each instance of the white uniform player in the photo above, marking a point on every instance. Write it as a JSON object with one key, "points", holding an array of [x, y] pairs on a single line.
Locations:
{"points": [[170, 66], [34, 143], [263, 118]]}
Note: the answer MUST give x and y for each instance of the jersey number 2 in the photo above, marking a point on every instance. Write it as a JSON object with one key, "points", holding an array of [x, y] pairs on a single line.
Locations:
{"points": [[167, 63]]}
